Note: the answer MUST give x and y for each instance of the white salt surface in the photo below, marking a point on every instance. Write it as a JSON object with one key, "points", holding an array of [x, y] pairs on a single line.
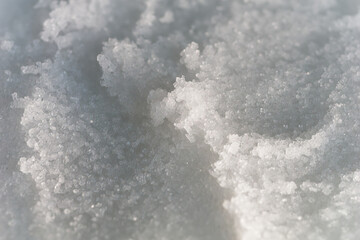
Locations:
{"points": [[179, 119]]}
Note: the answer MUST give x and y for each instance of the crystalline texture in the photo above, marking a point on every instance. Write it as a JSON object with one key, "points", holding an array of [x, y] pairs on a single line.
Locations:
{"points": [[162, 119]]}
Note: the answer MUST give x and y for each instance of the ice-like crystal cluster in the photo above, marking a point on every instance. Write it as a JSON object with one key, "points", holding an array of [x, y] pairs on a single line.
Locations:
{"points": [[179, 119]]}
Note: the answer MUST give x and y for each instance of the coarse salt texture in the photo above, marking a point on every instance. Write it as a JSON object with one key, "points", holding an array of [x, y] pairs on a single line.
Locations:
{"points": [[179, 119]]}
